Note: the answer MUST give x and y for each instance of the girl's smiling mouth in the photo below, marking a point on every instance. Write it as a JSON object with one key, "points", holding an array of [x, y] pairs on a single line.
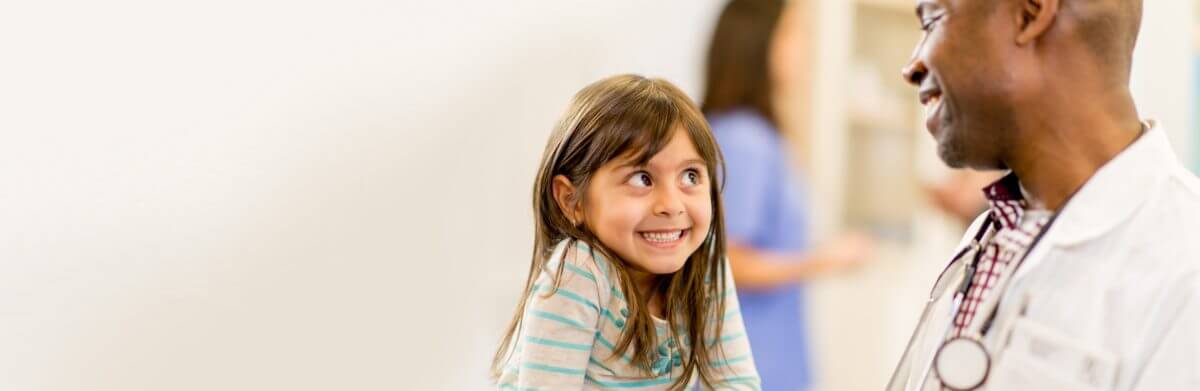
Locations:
{"points": [[664, 238]]}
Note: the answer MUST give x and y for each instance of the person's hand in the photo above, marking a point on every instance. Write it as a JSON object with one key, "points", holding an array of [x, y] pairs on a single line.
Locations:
{"points": [[845, 253]]}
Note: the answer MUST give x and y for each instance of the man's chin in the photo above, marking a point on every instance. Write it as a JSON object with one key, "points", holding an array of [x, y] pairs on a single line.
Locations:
{"points": [[957, 160], [951, 157]]}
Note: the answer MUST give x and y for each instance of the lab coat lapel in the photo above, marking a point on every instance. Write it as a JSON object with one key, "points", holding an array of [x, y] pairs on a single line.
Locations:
{"points": [[1108, 198]]}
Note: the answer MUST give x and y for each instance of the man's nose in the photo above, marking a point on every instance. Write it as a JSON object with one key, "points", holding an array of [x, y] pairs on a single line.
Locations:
{"points": [[914, 73]]}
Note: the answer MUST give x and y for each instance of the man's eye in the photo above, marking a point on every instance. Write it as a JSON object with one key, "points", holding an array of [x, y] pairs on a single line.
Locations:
{"points": [[640, 179], [928, 24]]}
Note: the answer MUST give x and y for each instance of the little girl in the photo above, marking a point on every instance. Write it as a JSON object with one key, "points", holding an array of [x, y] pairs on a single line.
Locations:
{"points": [[629, 287]]}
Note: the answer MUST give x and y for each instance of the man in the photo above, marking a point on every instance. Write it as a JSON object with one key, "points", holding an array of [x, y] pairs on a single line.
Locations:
{"points": [[1083, 274]]}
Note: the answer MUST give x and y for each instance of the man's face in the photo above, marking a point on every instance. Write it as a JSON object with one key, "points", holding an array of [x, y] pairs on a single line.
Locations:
{"points": [[960, 67]]}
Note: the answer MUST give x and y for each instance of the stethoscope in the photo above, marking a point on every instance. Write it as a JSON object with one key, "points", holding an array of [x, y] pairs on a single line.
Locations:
{"points": [[962, 363]]}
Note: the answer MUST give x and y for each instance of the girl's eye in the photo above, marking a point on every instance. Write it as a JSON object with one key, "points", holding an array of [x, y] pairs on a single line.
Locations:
{"points": [[640, 179], [691, 178]]}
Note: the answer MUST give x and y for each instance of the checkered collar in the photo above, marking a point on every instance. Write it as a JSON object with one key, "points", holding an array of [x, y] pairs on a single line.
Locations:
{"points": [[1006, 202]]}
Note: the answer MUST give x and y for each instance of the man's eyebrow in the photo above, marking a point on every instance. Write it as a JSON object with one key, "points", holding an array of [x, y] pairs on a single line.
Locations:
{"points": [[922, 5]]}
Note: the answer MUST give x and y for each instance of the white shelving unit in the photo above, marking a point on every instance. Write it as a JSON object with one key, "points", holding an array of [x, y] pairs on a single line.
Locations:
{"points": [[866, 153]]}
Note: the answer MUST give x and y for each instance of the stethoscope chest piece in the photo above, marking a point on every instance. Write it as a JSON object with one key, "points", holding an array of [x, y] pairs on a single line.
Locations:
{"points": [[962, 364]]}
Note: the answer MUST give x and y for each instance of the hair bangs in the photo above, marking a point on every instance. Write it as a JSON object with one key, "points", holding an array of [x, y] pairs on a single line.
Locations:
{"points": [[644, 130]]}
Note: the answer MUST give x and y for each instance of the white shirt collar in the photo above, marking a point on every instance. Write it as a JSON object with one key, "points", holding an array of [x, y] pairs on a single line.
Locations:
{"points": [[1117, 189]]}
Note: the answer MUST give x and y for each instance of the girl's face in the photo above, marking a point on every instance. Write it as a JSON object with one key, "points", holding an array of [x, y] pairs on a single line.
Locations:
{"points": [[653, 216]]}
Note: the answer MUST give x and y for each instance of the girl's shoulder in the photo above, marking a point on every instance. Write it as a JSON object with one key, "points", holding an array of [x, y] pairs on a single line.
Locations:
{"points": [[581, 265]]}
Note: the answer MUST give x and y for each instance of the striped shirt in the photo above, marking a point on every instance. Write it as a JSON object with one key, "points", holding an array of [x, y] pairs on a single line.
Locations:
{"points": [[566, 339], [1013, 233]]}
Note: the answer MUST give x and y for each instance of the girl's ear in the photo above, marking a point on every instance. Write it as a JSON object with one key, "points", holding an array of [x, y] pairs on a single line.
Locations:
{"points": [[565, 196]]}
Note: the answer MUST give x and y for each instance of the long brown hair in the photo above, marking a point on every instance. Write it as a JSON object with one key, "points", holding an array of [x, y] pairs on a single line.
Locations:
{"points": [[630, 115], [737, 74]]}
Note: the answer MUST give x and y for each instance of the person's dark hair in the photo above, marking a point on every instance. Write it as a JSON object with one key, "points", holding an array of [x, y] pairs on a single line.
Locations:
{"points": [[737, 74]]}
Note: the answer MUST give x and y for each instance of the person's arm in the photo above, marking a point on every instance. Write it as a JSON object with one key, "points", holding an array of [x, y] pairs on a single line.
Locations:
{"points": [[961, 195], [756, 269], [733, 363], [559, 329], [754, 175]]}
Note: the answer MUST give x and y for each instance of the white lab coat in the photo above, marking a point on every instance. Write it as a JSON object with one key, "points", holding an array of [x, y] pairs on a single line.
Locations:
{"points": [[1109, 299]]}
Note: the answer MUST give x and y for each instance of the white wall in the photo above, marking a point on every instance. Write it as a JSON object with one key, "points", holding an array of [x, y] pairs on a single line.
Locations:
{"points": [[1163, 71], [286, 195]]}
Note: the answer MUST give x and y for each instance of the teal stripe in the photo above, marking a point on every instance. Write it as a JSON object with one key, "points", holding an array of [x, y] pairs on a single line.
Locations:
{"points": [[600, 262], [608, 314], [753, 381], [610, 346], [617, 292], [558, 344], [560, 319], [731, 313], [571, 296], [553, 369], [553, 264], [597, 363], [604, 266], [725, 363], [727, 338], [515, 388], [632, 384], [586, 274]]}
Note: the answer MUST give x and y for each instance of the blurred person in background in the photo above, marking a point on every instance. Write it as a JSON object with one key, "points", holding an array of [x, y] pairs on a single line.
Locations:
{"points": [[961, 194], [767, 216]]}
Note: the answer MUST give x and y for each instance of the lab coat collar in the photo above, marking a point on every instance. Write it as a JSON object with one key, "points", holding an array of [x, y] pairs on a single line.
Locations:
{"points": [[1116, 190]]}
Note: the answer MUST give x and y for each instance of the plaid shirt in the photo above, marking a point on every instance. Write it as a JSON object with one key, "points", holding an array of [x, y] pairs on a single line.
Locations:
{"points": [[1013, 231]]}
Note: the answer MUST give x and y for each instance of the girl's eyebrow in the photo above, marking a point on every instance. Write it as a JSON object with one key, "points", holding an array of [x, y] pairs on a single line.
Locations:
{"points": [[685, 163], [633, 165]]}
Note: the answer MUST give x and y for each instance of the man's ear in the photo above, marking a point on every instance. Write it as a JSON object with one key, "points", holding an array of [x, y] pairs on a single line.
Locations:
{"points": [[565, 196], [1034, 19]]}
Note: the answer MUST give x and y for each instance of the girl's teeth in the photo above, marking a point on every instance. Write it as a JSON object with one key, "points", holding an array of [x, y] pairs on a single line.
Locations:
{"points": [[662, 236]]}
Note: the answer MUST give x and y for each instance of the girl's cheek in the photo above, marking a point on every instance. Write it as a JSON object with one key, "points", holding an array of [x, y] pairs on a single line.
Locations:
{"points": [[702, 210]]}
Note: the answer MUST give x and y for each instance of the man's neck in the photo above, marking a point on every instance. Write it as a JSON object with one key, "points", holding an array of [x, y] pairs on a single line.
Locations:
{"points": [[1063, 151]]}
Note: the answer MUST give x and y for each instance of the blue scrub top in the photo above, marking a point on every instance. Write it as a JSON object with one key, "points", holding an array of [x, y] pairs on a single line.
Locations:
{"points": [[765, 207]]}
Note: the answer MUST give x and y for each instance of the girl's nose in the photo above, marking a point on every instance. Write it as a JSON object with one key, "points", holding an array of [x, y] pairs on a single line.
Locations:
{"points": [[669, 203]]}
